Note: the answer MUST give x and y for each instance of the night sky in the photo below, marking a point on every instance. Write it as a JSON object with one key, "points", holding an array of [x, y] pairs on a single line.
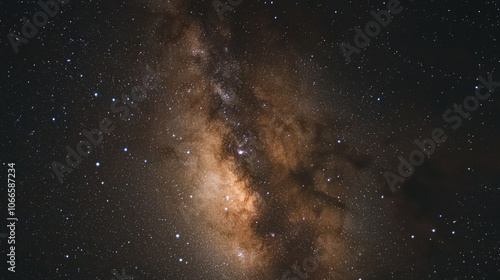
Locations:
{"points": [[250, 139]]}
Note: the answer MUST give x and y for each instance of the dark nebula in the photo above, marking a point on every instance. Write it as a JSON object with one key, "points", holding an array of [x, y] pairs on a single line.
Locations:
{"points": [[260, 154]]}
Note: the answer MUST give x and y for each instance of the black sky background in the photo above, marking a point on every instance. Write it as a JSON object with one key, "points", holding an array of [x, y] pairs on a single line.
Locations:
{"points": [[426, 60]]}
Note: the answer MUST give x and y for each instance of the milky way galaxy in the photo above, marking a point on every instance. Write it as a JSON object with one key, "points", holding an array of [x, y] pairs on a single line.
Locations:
{"points": [[255, 151], [257, 164]]}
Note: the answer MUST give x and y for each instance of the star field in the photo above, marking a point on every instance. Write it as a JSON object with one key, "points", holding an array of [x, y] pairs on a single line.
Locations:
{"points": [[161, 140]]}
